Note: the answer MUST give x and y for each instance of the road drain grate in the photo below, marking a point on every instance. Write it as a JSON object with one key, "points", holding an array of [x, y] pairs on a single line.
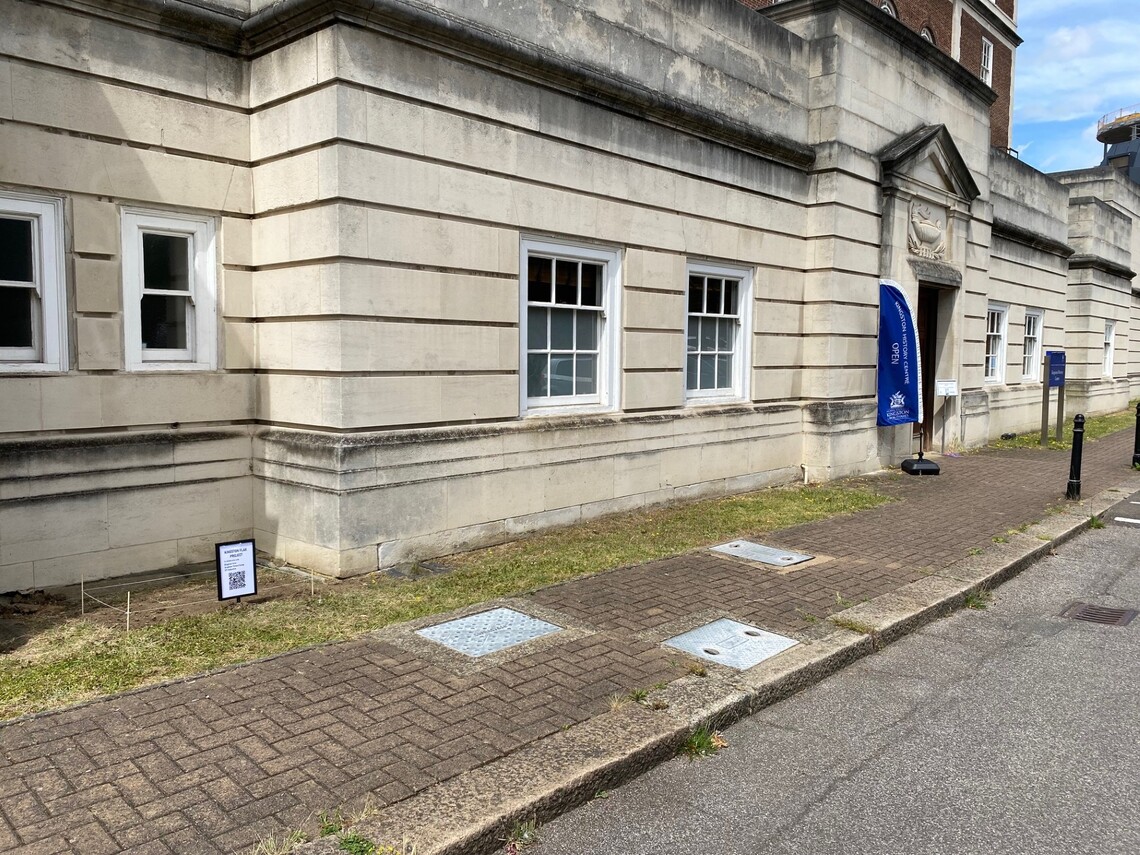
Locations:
{"points": [[1099, 614]]}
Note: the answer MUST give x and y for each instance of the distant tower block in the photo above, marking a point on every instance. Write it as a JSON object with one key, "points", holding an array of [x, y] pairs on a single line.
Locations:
{"points": [[1121, 126], [1120, 133]]}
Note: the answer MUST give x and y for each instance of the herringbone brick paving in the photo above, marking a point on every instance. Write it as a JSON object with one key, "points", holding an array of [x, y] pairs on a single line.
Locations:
{"points": [[216, 764]]}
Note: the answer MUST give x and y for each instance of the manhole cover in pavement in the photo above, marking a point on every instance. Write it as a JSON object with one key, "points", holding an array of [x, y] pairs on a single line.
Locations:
{"points": [[488, 632], [731, 643], [1099, 614], [750, 551]]}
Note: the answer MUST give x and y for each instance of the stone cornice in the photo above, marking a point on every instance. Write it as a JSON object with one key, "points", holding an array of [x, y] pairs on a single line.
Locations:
{"points": [[437, 29], [869, 13], [1096, 262], [1017, 234]]}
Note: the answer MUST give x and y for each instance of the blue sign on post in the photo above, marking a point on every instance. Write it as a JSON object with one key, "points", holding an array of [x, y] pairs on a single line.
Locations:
{"points": [[1056, 368]]}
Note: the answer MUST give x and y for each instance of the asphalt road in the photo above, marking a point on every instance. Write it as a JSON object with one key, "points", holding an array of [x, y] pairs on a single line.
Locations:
{"points": [[1008, 730]]}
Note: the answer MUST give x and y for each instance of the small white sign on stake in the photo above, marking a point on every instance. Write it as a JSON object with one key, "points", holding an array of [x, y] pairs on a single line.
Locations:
{"points": [[946, 388], [237, 573]]}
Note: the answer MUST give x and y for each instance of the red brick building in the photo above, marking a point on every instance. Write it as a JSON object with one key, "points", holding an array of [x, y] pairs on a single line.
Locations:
{"points": [[980, 34]]}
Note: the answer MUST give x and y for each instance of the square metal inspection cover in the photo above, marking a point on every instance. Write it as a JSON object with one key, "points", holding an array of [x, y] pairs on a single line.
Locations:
{"points": [[488, 632], [731, 643], [750, 551]]}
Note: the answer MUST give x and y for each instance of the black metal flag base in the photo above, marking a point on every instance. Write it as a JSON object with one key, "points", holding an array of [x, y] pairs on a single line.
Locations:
{"points": [[921, 466]]}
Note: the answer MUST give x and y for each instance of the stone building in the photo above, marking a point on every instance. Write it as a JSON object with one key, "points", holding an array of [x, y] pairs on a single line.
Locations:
{"points": [[374, 280], [980, 34]]}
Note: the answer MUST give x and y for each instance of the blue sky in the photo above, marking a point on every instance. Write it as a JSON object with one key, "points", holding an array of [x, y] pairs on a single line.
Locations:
{"points": [[1080, 60]]}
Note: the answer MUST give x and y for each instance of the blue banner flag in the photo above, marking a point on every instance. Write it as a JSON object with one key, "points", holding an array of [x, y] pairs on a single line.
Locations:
{"points": [[900, 375]]}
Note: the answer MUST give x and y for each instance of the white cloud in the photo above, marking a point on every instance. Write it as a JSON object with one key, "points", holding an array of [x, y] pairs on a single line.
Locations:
{"points": [[1077, 71]]}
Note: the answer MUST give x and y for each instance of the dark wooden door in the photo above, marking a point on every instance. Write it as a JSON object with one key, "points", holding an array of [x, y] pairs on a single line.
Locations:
{"points": [[927, 345]]}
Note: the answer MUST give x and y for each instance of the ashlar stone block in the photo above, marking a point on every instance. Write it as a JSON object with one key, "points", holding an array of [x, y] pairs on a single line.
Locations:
{"points": [[97, 285], [99, 343]]}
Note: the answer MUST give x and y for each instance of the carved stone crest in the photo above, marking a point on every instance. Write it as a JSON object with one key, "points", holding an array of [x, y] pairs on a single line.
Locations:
{"points": [[926, 236]]}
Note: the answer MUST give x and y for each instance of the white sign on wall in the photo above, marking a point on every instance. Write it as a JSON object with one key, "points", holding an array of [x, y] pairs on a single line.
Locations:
{"points": [[946, 388]]}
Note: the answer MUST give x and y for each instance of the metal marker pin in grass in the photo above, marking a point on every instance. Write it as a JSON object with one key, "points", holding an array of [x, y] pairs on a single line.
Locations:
{"points": [[900, 368]]}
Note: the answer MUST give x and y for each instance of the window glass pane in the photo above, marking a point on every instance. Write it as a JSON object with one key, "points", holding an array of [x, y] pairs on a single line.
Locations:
{"points": [[693, 327], [536, 329], [16, 251], [561, 376], [724, 371], [587, 330], [164, 322], [708, 372], [713, 304], [708, 334], [696, 294], [566, 282], [16, 317], [536, 375], [691, 371], [562, 329], [587, 374], [724, 334], [591, 284], [166, 262], [730, 289], [538, 279]]}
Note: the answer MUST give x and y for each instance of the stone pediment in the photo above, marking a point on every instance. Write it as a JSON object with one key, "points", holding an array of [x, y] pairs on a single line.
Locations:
{"points": [[928, 157]]}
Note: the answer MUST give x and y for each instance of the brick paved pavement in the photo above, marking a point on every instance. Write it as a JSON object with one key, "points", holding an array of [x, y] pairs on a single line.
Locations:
{"points": [[220, 762]]}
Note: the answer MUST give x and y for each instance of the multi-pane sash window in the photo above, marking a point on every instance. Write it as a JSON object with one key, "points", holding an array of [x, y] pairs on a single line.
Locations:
{"points": [[987, 70], [716, 335], [1031, 345], [1109, 347], [995, 344], [568, 291], [168, 278], [31, 285]]}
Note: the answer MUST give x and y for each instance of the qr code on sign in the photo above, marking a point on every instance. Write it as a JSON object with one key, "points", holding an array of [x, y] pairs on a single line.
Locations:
{"points": [[237, 580]]}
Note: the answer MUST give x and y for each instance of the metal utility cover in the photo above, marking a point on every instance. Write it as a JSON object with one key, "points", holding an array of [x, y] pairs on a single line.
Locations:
{"points": [[750, 551], [1099, 614], [488, 632], [728, 642]]}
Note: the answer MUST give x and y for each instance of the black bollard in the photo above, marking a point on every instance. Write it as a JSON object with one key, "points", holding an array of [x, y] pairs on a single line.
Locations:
{"points": [[1136, 444], [1074, 490]]}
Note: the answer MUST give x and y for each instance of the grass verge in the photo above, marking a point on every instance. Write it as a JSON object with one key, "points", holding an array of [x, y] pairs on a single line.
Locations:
{"points": [[1095, 428], [76, 659]]}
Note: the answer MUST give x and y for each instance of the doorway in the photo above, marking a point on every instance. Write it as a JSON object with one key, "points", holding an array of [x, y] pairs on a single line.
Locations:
{"points": [[927, 330]]}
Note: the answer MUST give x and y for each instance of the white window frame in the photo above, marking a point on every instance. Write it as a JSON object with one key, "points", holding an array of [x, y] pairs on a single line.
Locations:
{"points": [[987, 69], [1109, 348], [738, 387], [48, 352], [1000, 336], [1031, 345], [888, 7], [605, 398], [201, 352]]}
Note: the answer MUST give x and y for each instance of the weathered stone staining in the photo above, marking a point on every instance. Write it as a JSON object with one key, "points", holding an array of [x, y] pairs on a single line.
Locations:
{"points": [[344, 343]]}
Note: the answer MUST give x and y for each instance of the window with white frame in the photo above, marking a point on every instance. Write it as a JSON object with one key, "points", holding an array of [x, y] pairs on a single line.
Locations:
{"points": [[996, 317], [926, 35], [169, 284], [1109, 347], [717, 332], [888, 7], [33, 321], [569, 330], [1031, 345], [987, 70]]}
